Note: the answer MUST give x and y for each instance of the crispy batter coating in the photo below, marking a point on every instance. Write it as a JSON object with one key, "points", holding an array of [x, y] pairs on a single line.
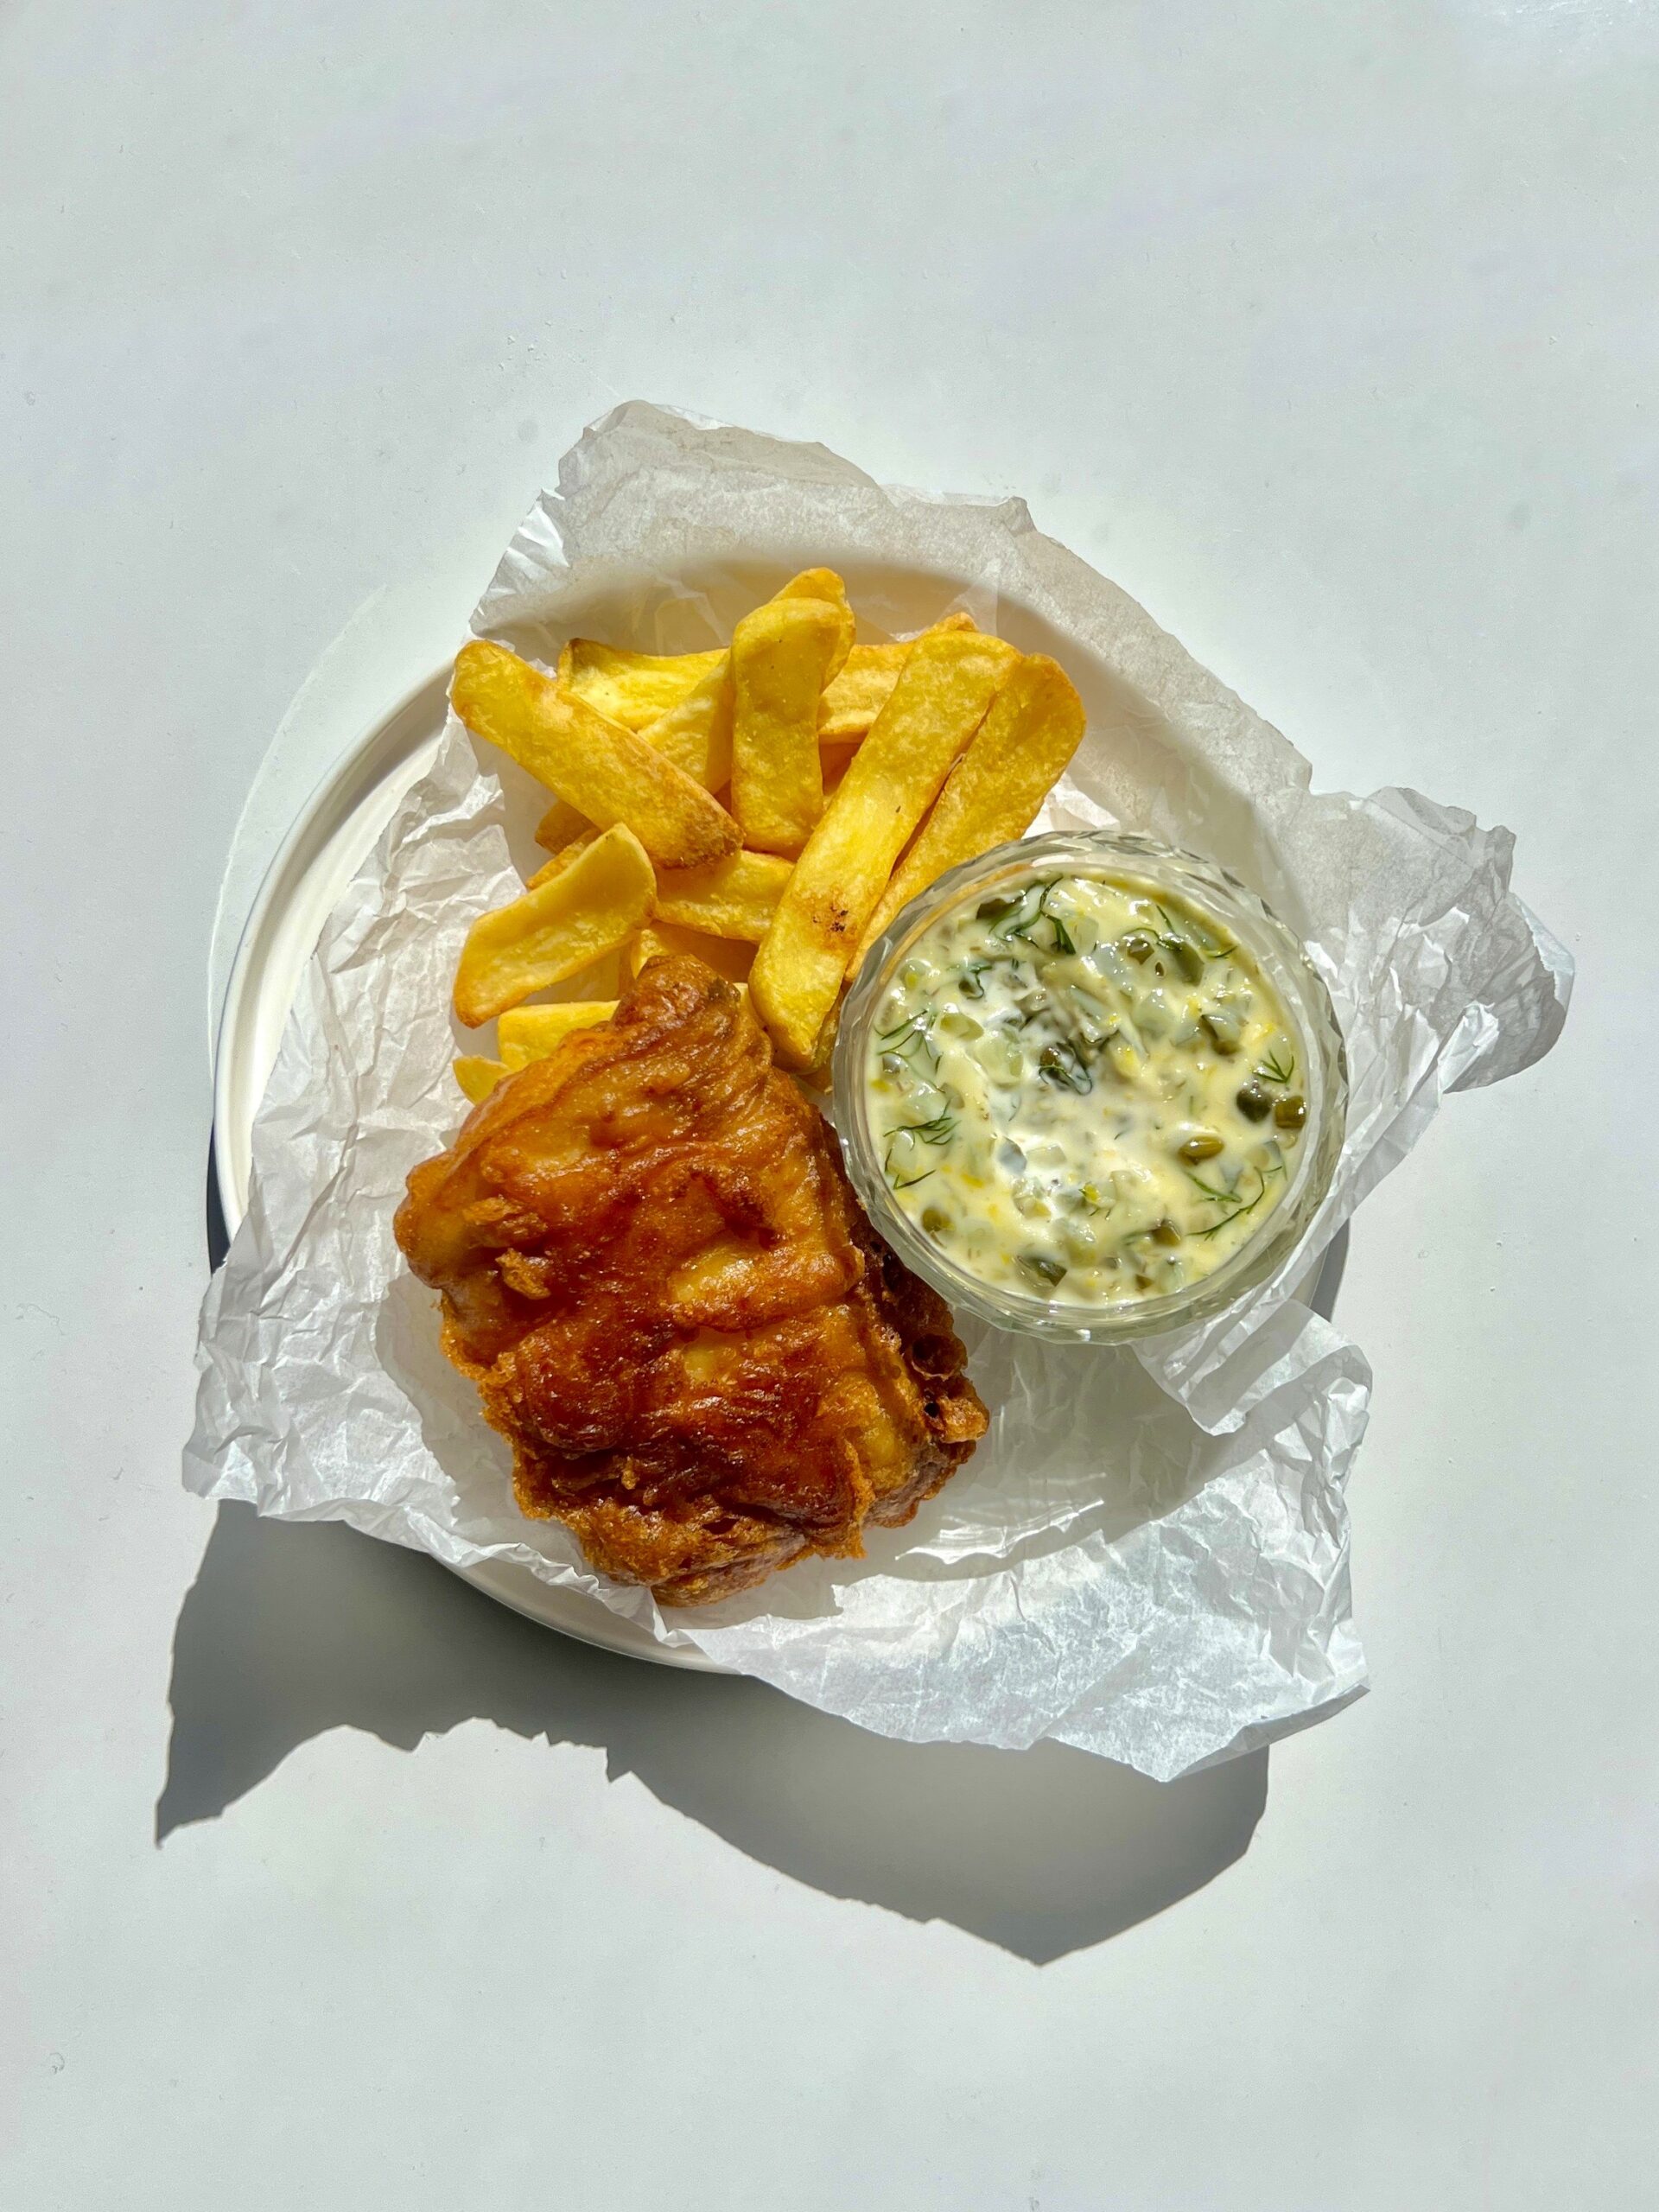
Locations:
{"points": [[652, 1266]]}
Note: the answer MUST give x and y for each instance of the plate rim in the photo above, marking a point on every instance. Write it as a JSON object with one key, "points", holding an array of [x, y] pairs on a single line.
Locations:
{"points": [[323, 795], [518, 1588], [524, 1591]]}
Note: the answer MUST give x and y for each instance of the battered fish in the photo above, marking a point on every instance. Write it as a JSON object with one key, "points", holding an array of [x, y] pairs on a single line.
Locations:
{"points": [[652, 1266]]}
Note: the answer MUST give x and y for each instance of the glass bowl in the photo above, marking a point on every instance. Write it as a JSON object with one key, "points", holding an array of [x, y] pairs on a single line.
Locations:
{"points": [[1125, 856]]}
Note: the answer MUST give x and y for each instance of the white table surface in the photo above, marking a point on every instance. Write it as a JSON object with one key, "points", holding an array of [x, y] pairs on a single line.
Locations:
{"points": [[1329, 332]]}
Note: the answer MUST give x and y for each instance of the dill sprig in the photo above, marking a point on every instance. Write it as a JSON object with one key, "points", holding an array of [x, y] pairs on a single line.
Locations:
{"points": [[1063, 1065], [1190, 943], [1020, 923], [906, 1038], [1240, 1205], [939, 1130]]}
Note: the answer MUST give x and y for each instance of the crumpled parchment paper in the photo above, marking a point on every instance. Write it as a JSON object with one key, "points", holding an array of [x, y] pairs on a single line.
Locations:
{"points": [[1147, 1557]]}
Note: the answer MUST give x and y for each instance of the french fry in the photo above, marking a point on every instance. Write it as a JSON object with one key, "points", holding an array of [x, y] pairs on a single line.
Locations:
{"points": [[536, 1031], [780, 661], [1028, 737], [824, 584], [818, 1074], [728, 957], [728, 897], [837, 759], [946, 684], [560, 826], [562, 859], [634, 688], [853, 699], [630, 688], [608, 772], [478, 1075], [695, 732], [587, 910]]}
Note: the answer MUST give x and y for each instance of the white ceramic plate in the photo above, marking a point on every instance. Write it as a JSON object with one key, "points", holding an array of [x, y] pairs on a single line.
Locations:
{"points": [[322, 853]]}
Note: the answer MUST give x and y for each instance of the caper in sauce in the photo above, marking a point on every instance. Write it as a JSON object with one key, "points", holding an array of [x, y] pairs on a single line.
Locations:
{"points": [[1093, 1090]]}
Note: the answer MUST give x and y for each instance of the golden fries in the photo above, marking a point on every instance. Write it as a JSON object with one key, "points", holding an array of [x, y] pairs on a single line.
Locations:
{"points": [[562, 859], [587, 910], [728, 897], [1016, 755], [941, 697], [853, 699], [630, 688], [695, 733], [634, 688], [534, 1030], [780, 663], [561, 826], [609, 773], [846, 763], [826, 586], [728, 957], [478, 1075]]}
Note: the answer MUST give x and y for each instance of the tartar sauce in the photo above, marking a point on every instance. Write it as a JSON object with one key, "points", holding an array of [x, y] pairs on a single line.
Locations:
{"points": [[1083, 1089]]}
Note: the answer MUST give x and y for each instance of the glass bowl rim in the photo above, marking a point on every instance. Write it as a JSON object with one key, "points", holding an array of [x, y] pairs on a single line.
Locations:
{"points": [[1126, 853]]}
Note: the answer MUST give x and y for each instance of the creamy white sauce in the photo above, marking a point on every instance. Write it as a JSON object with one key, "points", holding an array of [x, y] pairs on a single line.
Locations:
{"points": [[1086, 1090]]}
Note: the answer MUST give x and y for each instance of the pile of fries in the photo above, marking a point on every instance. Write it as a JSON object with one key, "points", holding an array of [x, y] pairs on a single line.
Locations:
{"points": [[770, 807]]}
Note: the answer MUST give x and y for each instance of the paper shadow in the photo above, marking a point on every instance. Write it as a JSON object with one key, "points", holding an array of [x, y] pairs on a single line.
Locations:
{"points": [[291, 1630], [294, 1628], [1328, 1281]]}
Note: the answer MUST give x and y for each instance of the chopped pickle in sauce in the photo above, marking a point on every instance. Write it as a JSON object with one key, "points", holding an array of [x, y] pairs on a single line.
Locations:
{"points": [[1083, 1089]]}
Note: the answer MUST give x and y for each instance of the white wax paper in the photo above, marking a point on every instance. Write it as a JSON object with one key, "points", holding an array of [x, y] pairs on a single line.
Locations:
{"points": [[1147, 1556]]}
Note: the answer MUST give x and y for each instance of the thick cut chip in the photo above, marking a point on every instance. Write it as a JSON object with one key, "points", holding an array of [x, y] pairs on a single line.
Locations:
{"points": [[561, 860], [630, 688], [993, 793], [695, 732], [637, 688], [818, 1074], [837, 759], [851, 700], [534, 1031], [585, 911], [608, 772], [826, 586], [780, 662], [561, 826], [729, 897], [939, 701], [478, 1076], [728, 955]]}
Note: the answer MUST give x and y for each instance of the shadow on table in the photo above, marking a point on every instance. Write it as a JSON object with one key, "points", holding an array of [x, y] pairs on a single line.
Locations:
{"points": [[295, 1629], [291, 1630]]}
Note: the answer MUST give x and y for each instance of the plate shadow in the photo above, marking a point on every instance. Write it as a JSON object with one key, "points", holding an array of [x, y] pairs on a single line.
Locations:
{"points": [[294, 1628]]}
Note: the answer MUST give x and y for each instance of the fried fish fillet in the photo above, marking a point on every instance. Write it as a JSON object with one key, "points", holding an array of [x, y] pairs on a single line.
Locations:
{"points": [[707, 1363]]}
